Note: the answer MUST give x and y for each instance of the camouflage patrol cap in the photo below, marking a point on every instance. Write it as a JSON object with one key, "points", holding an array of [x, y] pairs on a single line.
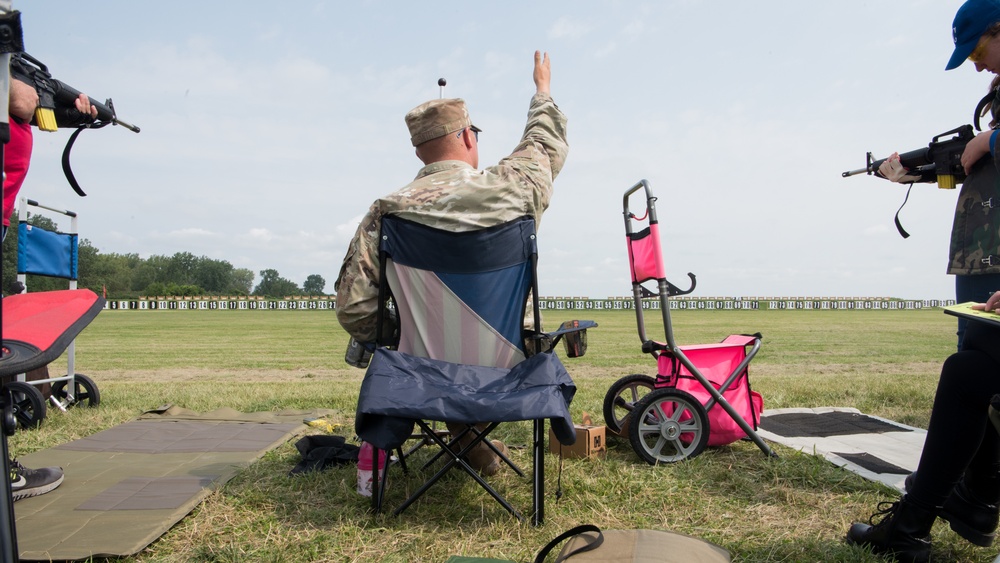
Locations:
{"points": [[437, 118]]}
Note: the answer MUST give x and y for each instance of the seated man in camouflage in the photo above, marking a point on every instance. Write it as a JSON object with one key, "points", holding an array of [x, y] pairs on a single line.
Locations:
{"points": [[450, 193]]}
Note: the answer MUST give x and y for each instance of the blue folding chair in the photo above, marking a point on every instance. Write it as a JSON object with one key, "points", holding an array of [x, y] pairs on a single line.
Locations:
{"points": [[53, 254], [460, 299]]}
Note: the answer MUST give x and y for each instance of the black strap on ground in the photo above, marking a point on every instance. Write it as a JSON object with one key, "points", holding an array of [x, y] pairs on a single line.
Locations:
{"points": [[899, 226], [568, 534]]}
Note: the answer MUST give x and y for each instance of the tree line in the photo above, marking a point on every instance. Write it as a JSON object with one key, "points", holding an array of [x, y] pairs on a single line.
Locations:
{"points": [[129, 275]]}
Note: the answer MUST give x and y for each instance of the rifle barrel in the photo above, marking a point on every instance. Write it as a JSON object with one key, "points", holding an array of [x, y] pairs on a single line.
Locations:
{"points": [[128, 126]]}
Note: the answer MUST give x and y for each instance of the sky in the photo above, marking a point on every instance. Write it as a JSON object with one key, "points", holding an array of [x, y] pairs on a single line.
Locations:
{"points": [[267, 129]]}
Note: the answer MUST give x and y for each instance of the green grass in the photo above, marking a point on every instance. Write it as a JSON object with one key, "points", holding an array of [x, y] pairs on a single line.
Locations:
{"points": [[794, 508]]}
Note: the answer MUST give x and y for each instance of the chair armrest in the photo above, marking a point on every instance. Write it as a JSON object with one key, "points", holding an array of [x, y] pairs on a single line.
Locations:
{"points": [[569, 327]]}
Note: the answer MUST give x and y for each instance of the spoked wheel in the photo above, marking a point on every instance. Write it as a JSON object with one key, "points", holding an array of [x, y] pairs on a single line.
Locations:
{"points": [[84, 392], [621, 399], [28, 404], [668, 425]]}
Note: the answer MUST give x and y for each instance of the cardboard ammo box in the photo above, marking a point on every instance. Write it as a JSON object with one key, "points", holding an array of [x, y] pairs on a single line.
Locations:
{"points": [[589, 441]]}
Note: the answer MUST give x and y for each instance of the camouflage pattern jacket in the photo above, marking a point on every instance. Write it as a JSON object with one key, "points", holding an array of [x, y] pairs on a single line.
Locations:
{"points": [[975, 233], [453, 195]]}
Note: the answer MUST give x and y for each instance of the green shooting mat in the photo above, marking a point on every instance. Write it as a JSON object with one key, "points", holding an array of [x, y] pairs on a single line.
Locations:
{"points": [[126, 486]]}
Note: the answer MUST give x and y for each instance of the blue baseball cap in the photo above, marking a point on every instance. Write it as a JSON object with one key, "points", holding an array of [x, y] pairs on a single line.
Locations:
{"points": [[971, 22]]}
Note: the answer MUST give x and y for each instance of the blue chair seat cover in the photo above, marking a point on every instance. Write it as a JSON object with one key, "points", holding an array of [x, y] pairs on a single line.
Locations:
{"points": [[399, 388]]}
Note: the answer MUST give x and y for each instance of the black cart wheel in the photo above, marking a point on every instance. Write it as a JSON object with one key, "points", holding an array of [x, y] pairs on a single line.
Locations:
{"points": [[28, 404], [621, 399], [668, 425], [84, 392]]}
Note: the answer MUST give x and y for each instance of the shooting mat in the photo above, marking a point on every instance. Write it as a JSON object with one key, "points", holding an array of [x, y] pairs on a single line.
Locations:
{"points": [[875, 448], [126, 486]]}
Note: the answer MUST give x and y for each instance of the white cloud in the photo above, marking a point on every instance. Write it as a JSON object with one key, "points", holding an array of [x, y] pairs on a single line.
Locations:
{"points": [[569, 28]]}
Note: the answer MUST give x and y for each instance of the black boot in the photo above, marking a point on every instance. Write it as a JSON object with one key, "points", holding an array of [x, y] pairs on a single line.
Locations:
{"points": [[904, 532], [973, 519]]}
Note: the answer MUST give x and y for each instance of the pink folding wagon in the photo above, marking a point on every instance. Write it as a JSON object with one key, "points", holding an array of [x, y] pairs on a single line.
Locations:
{"points": [[701, 394]]}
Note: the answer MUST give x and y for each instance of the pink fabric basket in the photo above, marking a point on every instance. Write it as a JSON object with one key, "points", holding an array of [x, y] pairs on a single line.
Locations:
{"points": [[716, 362]]}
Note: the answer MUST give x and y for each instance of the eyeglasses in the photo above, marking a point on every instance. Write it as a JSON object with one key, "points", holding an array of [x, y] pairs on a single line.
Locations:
{"points": [[474, 132]]}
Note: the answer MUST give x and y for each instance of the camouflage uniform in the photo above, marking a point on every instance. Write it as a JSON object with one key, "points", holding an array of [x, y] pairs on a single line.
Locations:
{"points": [[975, 233], [453, 195], [974, 252]]}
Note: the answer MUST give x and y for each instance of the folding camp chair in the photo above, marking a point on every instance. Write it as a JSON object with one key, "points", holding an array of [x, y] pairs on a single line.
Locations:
{"points": [[460, 299], [701, 395], [36, 329], [53, 254]]}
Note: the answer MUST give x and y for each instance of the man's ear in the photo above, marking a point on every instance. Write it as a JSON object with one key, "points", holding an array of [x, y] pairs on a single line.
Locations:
{"points": [[467, 135]]}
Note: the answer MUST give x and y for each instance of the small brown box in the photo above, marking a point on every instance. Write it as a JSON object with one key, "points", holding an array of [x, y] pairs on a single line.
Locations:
{"points": [[589, 442]]}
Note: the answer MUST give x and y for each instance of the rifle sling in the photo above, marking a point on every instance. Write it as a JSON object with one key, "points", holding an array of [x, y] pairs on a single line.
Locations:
{"points": [[67, 169], [899, 226], [987, 101]]}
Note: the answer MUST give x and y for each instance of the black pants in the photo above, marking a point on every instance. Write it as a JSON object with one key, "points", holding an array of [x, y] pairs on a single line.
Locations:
{"points": [[961, 441]]}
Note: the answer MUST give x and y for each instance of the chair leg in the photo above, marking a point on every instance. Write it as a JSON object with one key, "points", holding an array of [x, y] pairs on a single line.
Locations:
{"points": [[402, 461], [377, 490], [456, 459], [538, 484]]}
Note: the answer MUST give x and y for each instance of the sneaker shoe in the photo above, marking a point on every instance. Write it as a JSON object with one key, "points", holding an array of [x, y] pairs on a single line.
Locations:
{"points": [[25, 482]]}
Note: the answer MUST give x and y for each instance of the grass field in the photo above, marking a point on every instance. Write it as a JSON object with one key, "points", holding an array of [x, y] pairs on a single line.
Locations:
{"points": [[794, 508]]}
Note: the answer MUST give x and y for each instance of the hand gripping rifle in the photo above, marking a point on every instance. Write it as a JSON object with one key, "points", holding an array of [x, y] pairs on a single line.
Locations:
{"points": [[54, 99], [940, 161]]}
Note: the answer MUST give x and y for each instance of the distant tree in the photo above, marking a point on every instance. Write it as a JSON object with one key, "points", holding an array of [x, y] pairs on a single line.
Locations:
{"points": [[155, 289], [107, 271], [128, 275], [214, 276], [314, 285], [159, 289], [179, 268], [9, 257], [273, 285], [242, 281]]}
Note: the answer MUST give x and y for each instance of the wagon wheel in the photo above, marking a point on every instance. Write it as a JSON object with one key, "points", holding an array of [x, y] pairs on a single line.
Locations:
{"points": [[84, 391], [621, 399], [28, 404], [668, 425]]}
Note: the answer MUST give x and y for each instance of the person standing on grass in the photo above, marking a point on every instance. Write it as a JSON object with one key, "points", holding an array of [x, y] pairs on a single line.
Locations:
{"points": [[450, 193], [23, 99], [958, 476]]}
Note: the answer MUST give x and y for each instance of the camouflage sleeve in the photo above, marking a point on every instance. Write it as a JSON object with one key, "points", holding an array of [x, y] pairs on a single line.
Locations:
{"points": [[357, 283], [546, 131], [541, 153]]}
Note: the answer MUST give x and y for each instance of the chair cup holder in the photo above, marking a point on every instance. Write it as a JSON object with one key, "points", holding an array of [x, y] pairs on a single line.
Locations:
{"points": [[575, 344]]}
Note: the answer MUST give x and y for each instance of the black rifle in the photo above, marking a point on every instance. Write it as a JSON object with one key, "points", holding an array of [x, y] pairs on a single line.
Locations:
{"points": [[940, 161], [54, 93], [56, 106]]}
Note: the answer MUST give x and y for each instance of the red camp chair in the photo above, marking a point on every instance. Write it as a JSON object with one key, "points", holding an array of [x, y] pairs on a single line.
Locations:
{"points": [[53, 254]]}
